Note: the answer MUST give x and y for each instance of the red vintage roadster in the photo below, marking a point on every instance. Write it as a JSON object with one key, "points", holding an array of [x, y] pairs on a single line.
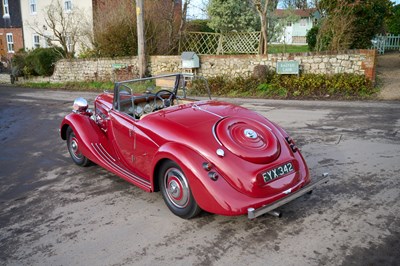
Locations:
{"points": [[202, 155]]}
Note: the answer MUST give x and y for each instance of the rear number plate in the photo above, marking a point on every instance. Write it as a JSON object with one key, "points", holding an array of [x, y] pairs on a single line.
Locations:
{"points": [[277, 172]]}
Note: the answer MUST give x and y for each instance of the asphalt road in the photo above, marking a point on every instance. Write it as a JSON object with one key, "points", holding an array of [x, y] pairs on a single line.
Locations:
{"points": [[53, 212]]}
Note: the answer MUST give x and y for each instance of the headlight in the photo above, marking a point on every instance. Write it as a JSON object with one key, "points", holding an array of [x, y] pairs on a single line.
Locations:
{"points": [[80, 105]]}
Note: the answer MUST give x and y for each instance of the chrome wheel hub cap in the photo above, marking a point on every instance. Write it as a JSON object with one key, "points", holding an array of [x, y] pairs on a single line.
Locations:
{"points": [[177, 188], [75, 148], [174, 189]]}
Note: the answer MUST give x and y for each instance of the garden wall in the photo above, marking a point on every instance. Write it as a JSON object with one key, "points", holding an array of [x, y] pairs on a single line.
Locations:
{"points": [[362, 62]]}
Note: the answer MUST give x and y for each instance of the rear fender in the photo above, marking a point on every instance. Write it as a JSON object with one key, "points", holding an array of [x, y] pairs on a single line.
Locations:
{"points": [[211, 196]]}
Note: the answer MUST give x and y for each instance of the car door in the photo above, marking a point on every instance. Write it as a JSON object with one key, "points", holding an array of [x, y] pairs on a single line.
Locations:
{"points": [[144, 151], [120, 129], [122, 135]]}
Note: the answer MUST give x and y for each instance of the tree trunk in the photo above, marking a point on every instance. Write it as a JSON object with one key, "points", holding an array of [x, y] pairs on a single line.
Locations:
{"points": [[264, 31], [262, 11], [140, 35], [171, 25]]}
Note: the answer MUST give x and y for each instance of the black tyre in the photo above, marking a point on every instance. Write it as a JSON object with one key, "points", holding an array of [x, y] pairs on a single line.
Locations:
{"points": [[74, 151], [176, 191]]}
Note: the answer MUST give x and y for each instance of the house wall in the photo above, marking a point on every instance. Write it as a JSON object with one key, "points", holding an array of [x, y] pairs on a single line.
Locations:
{"points": [[301, 27], [37, 20], [18, 41], [361, 62], [296, 33], [11, 23]]}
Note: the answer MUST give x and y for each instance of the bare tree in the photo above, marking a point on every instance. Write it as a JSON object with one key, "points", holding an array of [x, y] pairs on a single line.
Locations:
{"points": [[262, 12], [170, 24], [63, 28], [174, 36], [299, 4], [287, 17], [337, 30]]}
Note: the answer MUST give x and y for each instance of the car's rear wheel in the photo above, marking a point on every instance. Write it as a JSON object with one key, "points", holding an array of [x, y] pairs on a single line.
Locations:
{"points": [[176, 191], [74, 151]]}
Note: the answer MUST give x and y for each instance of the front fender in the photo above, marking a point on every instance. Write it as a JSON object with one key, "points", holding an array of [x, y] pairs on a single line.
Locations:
{"points": [[86, 131]]}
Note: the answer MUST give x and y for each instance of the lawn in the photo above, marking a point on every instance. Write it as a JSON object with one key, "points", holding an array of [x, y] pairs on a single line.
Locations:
{"points": [[282, 48]]}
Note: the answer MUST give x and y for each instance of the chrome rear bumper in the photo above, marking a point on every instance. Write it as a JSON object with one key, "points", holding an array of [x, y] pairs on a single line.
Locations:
{"points": [[253, 213]]}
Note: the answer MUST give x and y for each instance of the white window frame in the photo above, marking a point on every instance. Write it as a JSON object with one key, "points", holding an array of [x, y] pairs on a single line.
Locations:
{"points": [[36, 41], [6, 9], [67, 5], [32, 7], [10, 42]]}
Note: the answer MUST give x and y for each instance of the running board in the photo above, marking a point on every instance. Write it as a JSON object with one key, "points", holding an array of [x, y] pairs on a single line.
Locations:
{"points": [[111, 164]]}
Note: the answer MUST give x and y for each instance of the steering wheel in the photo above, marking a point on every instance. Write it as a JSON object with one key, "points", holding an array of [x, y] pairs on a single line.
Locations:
{"points": [[167, 102]]}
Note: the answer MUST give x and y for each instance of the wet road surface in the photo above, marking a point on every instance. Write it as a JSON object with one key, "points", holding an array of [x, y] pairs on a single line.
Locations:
{"points": [[53, 212]]}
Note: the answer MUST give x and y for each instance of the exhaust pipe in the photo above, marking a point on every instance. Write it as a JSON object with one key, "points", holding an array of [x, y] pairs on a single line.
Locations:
{"points": [[275, 213]]}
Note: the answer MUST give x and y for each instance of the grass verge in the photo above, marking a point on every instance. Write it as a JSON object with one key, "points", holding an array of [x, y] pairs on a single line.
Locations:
{"points": [[75, 86], [270, 85]]}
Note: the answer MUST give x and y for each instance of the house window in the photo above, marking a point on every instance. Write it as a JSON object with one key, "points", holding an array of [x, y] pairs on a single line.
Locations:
{"points": [[36, 41], [289, 24], [67, 5], [32, 6], [6, 9], [10, 42], [303, 22]]}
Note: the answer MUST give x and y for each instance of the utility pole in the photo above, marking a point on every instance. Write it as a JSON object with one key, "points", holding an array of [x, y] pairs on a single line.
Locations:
{"points": [[140, 35]]}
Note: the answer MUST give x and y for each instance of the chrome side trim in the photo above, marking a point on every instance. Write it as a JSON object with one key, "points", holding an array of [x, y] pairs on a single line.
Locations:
{"points": [[215, 134], [253, 213], [195, 106], [101, 151]]}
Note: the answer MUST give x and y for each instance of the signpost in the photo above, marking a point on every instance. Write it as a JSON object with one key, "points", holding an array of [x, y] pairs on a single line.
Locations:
{"points": [[288, 67]]}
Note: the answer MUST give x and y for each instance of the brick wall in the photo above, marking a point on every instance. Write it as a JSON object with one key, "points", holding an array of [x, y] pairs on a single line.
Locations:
{"points": [[17, 37]]}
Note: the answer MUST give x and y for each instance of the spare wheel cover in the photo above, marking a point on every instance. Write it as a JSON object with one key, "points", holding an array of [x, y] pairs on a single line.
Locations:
{"points": [[248, 139]]}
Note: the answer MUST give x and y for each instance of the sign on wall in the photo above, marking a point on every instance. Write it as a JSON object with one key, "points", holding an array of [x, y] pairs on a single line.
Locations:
{"points": [[287, 67]]}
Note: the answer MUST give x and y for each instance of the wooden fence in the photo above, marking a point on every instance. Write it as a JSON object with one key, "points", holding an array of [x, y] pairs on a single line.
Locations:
{"points": [[204, 43], [386, 42]]}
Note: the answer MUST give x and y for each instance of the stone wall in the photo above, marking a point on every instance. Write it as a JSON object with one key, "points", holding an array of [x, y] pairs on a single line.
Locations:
{"points": [[94, 69], [362, 62]]}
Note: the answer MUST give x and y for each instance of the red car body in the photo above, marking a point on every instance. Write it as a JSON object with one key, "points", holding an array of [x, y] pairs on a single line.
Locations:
{"points": [[225, 159]]}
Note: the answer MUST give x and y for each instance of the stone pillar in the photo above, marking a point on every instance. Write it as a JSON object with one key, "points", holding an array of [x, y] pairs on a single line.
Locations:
{"points": [[369, 64]]}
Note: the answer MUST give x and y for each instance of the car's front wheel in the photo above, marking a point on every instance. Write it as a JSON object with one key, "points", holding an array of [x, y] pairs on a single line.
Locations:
{"points": [[74, 151], [176, 191]]}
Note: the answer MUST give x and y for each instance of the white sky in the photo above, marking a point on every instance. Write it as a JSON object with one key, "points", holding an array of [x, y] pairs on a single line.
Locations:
{"points": [[196, 6], [194, 10]]}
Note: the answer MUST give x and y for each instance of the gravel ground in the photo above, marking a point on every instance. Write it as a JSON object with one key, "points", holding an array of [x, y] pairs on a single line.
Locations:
{"points": [[388, 73], [53, 212]]}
